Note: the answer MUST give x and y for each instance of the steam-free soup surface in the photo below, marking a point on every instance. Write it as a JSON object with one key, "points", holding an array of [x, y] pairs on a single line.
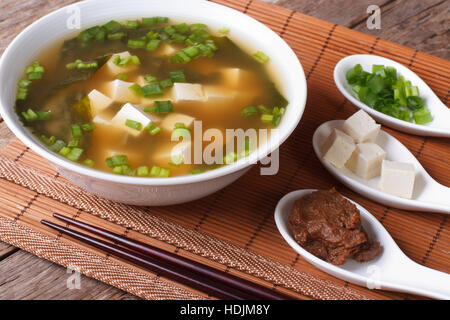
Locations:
{"points": [[86, 84]]}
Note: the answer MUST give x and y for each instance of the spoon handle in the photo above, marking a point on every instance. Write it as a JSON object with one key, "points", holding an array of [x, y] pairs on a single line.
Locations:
{"points": [[414, 278], [439, 194]]}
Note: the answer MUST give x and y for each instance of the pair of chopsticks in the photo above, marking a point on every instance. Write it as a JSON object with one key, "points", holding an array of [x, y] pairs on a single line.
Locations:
{"points": [[191, 273]]}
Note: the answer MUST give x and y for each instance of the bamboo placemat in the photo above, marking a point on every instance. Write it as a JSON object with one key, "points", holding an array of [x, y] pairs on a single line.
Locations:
{"points": [[233, 229]]}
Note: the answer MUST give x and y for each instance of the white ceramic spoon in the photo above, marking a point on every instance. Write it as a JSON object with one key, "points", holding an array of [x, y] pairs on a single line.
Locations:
{"points": [[439, 127], [391, 270], [428, 195]]}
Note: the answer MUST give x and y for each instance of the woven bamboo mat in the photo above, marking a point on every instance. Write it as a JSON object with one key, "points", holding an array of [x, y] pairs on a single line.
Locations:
{"points": [[233, 230]]}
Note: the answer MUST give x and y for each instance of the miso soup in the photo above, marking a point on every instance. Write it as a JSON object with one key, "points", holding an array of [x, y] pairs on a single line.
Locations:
{"points": [[137, 97]]}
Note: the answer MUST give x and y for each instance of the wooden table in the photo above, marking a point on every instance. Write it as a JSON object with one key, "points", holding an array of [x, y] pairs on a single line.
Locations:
{"points": [[420, 24]]}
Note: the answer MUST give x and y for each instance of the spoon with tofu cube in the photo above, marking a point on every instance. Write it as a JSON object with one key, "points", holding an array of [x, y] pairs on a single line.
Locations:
{"points": [[375, 164], [433, 119]]}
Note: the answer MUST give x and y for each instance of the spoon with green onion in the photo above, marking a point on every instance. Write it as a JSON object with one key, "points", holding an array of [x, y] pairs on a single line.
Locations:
{"points": [[392, 94]]}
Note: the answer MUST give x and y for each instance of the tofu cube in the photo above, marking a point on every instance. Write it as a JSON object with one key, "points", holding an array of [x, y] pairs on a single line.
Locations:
{"points": [[114, 69], [100, 120], [338, 148], [98, 101], [131, 112], [188, 92], [165, 49], [366, 160], [397, 178], [218, 93], [361, 127], [119, 91], [168, 123]]}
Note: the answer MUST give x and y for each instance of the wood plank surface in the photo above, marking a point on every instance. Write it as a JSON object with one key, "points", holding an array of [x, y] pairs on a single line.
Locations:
{"points": [[422, 25]]}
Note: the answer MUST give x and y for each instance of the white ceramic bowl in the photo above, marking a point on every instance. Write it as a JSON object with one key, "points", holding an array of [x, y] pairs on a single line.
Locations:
{"points": [[251, 35]]}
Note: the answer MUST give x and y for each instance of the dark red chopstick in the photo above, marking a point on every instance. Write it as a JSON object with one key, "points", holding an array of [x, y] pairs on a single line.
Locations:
{"points": [[181, 276], [218, 279]]}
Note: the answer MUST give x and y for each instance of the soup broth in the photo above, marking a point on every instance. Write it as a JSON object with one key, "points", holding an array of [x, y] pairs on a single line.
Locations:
{"points": [[98, 102]]}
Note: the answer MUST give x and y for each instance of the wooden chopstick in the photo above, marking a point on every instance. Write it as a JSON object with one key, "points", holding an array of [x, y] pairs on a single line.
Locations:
{"points": [[216, 283]]}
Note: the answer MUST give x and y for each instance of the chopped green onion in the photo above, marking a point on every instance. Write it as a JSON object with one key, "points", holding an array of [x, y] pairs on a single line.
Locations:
{"points": [[177, 76], [133, 124], [88, 162], [266, 118], [47, 141], [264, 109], [123, 170], [78, 64], [249, 111], [152, 129], [176, 160], [131, 24], [136, 89], [156, 171], [230, 158], [117, 160], [64, 151], [136, 43], [142, 171], [57, 146], [88, 126], [387, 93], [261, 57], [161, 107], [153, 44], [76, 130], [122, 76], [166, 83], [197, 171], [74, 154], [150, 78], [224, 30], [112, 26], [180, 133], [197, 27], [152, 90], [116, 36], [30, 115], [73, 143]]}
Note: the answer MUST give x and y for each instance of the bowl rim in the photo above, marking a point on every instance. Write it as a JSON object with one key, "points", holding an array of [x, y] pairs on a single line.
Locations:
{"points": [[18, 129]]}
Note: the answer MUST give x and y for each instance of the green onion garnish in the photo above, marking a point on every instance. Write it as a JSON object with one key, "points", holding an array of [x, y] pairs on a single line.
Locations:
{"points": [[78, 64], [156, 171], [142, 171], [73, 143], [150, 78], [116, 36], [266, 118], [57, 146], [122, 76], [161, 107], [112, 26], [88, 162], [388, 93], [153, 44], [76, 130], [136, 43], [261, 57], [152, 90], [133, 124], [88, 126], [180, 133], [152, 129], [177, 76], [197, 171], [131, 24], [117, 160], [166, 83], [249, 111], [224, 30], [74, 154], [136, 89]]}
